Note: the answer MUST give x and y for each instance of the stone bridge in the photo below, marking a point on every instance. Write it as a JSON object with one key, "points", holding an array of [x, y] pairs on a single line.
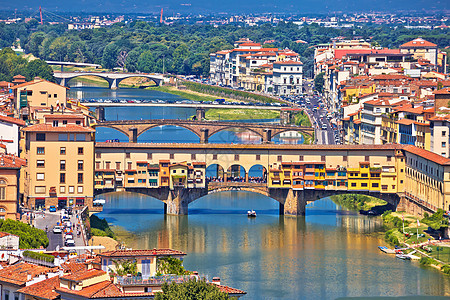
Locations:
{"points": [[112, 78], [291, 202], [203, 129]]}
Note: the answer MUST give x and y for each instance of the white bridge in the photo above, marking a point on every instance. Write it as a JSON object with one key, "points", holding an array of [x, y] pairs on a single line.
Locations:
{"points": [[112, 78]]}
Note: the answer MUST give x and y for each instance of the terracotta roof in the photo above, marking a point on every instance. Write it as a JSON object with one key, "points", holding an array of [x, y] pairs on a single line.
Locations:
{"points": [[73, 267], [36, 82], [428, 155], [103, 289], [150, 252], [50, 128], [18, 274], [3, 234], [83, 275], [229, 290], [64, 116], [405, 121], [418, 43], [9, 161], [440, 118], [43, 289], [288, 62], [12, 120], [445, 91]]}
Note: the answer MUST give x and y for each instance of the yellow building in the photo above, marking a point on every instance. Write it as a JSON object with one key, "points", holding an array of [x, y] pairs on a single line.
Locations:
{"points": [[178, 175], [38, 93], [9, 180], [60, 156]]}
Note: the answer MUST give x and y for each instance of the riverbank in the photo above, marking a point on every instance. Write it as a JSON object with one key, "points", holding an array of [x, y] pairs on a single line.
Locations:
{"points": [[357, 202], [133, 82], [187, 94], [240, 114]]}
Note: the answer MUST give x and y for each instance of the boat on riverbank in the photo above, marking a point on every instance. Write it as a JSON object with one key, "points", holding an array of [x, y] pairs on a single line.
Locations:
{"points": [[386, 250], [403, 256]]}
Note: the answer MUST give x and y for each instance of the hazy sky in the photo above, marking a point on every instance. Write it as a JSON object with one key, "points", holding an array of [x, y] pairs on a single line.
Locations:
{"points": [[235, 6]]}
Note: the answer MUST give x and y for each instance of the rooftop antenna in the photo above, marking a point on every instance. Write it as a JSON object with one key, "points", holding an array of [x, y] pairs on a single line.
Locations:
{"points": [[40, 13]]}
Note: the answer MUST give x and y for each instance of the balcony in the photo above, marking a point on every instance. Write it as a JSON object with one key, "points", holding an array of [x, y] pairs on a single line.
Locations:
{"points": [[158, 280]]}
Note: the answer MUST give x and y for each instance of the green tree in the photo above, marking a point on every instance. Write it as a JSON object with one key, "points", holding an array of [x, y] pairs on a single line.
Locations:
{"points": [[109, 58], [319, 82], [191, 290], [124, 267], [171, 265], [41, 69]]}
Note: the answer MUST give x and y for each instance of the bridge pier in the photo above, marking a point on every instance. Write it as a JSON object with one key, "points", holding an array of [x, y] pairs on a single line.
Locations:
{"points": [[178, 200], [292, 203], [267, 136], [200, 114], [113, 84], [100, 112], [204, 135], [132, 137]]}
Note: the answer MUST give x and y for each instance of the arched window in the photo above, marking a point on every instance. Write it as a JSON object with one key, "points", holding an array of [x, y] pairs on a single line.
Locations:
{"points": [[2, 189]]}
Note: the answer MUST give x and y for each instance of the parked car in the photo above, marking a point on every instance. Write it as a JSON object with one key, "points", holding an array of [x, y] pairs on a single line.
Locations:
{"points": [[52, 208], [57, 229], [70, 243]]}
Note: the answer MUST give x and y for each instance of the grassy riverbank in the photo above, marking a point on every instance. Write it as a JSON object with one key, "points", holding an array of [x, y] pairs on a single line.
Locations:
{"points": [[187, 94], [240, 114], [357, 202]]}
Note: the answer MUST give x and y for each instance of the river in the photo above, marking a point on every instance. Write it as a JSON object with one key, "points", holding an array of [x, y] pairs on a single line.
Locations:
{"points": [[327, 254]]}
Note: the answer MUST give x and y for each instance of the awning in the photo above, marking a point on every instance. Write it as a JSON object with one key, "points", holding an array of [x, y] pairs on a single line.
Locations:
{"points": [[62, 198]]}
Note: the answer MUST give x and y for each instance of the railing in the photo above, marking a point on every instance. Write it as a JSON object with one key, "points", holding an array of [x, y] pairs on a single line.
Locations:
{"points": [[235, 184], [158, 280]]}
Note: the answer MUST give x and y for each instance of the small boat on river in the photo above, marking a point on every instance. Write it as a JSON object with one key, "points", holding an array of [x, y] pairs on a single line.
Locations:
{"points": [[403, 256], [386, 250], [251, 213]]}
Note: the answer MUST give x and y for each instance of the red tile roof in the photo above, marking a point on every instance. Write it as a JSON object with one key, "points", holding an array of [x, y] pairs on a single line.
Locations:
{"points": [[3, 234], [418, 43], [11, 120], [9, 161], [150, 252], [64, 116], [405, 121], [445, 91], [83, 275], [73, 267], [35, 82], [43, 289], [428, 155], [103, 289], [18, 274], [50, 128], [288, 62], [229, 290]]}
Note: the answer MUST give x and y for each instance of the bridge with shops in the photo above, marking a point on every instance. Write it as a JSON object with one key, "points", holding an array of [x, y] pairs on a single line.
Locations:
{"points": [[293, 175]]}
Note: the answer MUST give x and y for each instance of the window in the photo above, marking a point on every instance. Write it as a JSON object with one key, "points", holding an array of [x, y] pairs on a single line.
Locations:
{"points": [[366, 158], [172, 156], [258, 157], [108, 165], [62, 150], [129, 165], [401, 181], [375, 185], [353, 184], [40, 176], [80, 165], [55, 95], [80, 150], [214, 156], [127, 155], [384, 187], [62, 165], [98, 155], [71, 189], [62, 178], [117, 165], [279, 158], [39, 189], [40, 137], [322, 158], [363, 184], [301, 158], [344, 158], [72, 137], [55, 123], [443, 133], [97, 165], [389, 158], [149, 156], [40, 150], [80, 177], [193, 156], [80, 190], [236, 157], [81, 137], [40, 163], [62, 189], [444, 144], [2, 190], [78, 122], [64, 122]]}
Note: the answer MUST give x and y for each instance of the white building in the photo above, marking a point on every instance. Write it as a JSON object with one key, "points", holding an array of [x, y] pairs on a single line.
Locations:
{"points": [[287, 77], [9, 133]]}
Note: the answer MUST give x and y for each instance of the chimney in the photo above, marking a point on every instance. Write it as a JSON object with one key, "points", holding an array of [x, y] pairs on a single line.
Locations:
{"points": [[216, 280], [28, 277]]}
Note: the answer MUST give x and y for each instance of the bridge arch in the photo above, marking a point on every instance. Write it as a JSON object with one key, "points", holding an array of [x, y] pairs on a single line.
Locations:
{"points": [[145, 130], [236, 173], [243, 128], [104, 79], [139, 76], [257, 173], [114, 128], [291, 135], [215, 173]]}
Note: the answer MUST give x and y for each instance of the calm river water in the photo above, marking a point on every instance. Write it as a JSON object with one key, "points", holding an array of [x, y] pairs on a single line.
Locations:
{"points": [[328, 254]]}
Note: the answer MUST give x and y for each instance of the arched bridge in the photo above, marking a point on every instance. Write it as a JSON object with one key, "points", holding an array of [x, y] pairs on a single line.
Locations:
{"points": [[112, 78], [203, 129]]}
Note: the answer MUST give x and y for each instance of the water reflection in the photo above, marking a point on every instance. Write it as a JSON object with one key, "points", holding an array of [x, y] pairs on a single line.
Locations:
{"points": [[325, 255]]}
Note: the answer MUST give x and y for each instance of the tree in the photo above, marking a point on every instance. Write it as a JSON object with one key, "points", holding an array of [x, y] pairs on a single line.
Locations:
{"points": [[319, 82], [124, 267], [191, 290], [109, 57], [41, 69], [171, 265]]}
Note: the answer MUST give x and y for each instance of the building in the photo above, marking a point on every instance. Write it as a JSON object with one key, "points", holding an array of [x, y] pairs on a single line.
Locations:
{"points": [[440, 135], [425, 50], [10, 166], [287, 77], [60, 155], [9, 241], [10, 133], [38, 93]]}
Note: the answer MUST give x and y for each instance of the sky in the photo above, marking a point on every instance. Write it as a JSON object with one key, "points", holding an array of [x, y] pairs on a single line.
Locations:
{"points": [[229, 6]]}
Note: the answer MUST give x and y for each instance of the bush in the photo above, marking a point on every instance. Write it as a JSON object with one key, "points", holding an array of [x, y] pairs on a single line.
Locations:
{"points": [[39, 256], [391, 238], [435, 221], [29, 237], [446, 269], [426, 261]]}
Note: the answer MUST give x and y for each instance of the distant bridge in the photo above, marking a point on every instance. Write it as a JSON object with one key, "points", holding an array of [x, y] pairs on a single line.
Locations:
{"points": [[203, 129], [112, 78], [72, 64]]}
